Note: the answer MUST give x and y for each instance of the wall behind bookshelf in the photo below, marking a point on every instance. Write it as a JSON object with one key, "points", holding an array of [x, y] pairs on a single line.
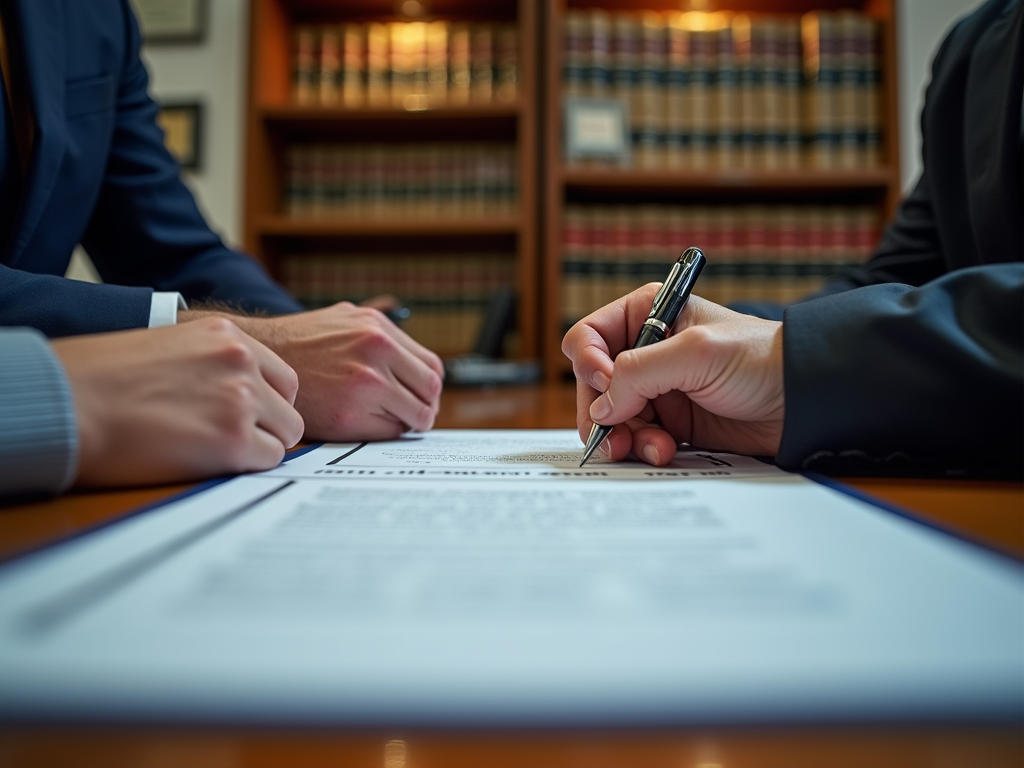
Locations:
{"points": [[391, 147], [780, 179]]}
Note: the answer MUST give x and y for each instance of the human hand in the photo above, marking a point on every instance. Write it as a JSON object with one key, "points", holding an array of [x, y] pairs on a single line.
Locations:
{"points": [[178, 403], [361, 377], [716, 382]]}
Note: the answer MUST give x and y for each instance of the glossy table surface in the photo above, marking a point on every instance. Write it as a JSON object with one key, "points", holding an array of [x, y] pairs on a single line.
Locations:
{"points": [[989, 512]]}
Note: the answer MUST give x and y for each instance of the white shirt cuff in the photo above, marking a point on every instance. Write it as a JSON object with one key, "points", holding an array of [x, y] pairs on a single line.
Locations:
{"points": [[164, 308]]}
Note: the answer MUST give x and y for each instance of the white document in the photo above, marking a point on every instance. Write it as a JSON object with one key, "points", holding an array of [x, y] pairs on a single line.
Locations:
{"points": [[424, 600], [511, 454]]}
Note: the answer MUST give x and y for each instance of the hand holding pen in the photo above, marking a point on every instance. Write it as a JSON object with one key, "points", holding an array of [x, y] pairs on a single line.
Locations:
{"points": [[665, 310], [715, 382]]}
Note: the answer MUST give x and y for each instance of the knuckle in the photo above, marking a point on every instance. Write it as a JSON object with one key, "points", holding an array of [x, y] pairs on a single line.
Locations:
{"points": [[434, 386], [627, 366], [291, 382], [375, 341], [219, 325], [364, 377], [237, 354]]}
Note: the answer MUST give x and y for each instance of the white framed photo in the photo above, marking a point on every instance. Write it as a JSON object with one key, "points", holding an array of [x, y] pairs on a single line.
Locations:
{"points": [[596, 128]]}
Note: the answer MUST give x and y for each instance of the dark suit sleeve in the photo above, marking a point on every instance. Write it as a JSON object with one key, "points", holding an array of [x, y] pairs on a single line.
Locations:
{"points": [[892, 377], [146, 229]]}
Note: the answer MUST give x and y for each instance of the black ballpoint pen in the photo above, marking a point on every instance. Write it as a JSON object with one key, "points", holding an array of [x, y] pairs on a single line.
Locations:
{"points": [[665, 310]]}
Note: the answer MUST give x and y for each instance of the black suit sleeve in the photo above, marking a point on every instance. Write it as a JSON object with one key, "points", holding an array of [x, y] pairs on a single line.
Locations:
{"points": [[891, 377]]}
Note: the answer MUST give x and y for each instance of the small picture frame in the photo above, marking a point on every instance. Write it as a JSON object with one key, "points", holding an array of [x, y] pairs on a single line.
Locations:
{"points": [[172, 22], [596, 128], [182, 123]]}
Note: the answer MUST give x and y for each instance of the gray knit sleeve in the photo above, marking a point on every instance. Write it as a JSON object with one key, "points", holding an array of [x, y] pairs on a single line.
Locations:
{"points": [[38, 428]]}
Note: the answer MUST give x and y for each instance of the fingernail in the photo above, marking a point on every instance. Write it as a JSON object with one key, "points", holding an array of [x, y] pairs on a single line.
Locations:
{"points": [[601, 381], [600, 409], [605, 448], [650, 453]]}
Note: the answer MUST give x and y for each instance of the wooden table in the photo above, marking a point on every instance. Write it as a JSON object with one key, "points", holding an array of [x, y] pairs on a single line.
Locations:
{"points": [[989, 512]]}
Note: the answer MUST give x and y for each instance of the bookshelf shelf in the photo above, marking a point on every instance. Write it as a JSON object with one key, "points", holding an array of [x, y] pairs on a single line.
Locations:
{"points": [[357, 91], [801, 180], [287, 226], [298, 113]]}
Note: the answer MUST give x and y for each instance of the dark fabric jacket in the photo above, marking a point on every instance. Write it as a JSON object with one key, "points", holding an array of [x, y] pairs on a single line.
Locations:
{"points": [[915, 361], [99, 175]]}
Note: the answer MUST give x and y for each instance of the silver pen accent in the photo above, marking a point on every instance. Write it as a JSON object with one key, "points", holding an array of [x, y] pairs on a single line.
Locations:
{"points": [[665, 310]]}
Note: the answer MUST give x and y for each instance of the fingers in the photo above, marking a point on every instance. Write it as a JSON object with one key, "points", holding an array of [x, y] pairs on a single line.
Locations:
{"points": [[277, 416], [264, 451], [430, 359], [275, 371], [408, 409], [651, 443], [640, 376], [415, 375]]}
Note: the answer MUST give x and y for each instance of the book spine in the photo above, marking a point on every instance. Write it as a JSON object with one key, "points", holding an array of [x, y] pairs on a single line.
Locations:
{"points": [[653, 61], [597, 53], [726, 101], [792, 85], [573, 55], [750, 100], [482, 63], [677, 84], [820, 70], [304, 67], [459, 58], [773, 122], [626, 70], [871, 35], [507, 57], [700, 104], [377, 64], [329, 65], [848, 89], [353, 65]]}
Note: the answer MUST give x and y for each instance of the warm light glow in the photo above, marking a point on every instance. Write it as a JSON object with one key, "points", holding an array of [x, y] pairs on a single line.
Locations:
{"points": [[412, 8], [701, 21]]}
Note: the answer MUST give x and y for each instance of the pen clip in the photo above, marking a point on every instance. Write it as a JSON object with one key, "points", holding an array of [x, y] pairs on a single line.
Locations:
{"points": [[659, 297]]}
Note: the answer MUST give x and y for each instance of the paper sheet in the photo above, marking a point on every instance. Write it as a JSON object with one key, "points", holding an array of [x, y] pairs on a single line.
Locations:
{"points": [[417, 600], [541, 454]]}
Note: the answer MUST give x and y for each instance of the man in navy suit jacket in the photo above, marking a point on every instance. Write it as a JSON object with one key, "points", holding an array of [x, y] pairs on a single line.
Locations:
{"points": [[83, 161]]}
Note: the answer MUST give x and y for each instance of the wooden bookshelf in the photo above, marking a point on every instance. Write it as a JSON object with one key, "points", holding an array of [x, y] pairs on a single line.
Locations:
{"points": [[877, 187], [274, 122], [532, 122]]}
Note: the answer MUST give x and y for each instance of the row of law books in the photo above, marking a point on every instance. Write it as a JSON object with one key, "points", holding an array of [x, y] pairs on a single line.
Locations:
{"points": [[725, 90], [771, 253], [409, 64], [425, 179], [447, 293]]}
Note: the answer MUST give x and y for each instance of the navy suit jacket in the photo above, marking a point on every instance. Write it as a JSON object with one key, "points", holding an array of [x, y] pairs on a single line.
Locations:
{"points": [[99, 175]]}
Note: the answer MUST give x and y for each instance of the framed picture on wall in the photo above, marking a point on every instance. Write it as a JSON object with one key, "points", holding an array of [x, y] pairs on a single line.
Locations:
{"points": [[183, 132], [172, 21]]}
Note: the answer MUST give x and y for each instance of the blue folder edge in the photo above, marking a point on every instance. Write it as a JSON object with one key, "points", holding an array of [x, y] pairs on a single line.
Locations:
{"points": [[948, 529]]}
